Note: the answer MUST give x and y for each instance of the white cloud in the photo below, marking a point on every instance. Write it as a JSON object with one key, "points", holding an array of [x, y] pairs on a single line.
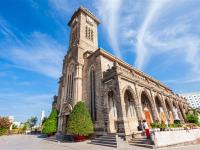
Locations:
{"points": [[155, 8], [180, 42], [37, 52], [109, 11], [61, 6], [43, 55], [155, 27], [20, 105]]}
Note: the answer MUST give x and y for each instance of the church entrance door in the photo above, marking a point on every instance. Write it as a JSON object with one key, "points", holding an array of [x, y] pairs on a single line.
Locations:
{"points": [[147, 115]]}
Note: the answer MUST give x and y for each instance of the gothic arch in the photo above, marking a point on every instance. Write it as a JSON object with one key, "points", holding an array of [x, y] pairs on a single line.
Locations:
{"points": [[174, 103], [170, 112], [109, 87], [177, 115], [66, 109], [160, 107], [182, 111], [146, 93], [147, 106], [168, 105], [185, 107], [70, 80], [110, 107], [130, 102], [128, 87], [131, 111], [158, 103]]}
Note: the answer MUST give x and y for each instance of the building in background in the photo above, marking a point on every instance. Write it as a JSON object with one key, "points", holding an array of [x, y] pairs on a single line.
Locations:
{"points": [[42, 116], [12, 120], [193, 99], [17, 123]]}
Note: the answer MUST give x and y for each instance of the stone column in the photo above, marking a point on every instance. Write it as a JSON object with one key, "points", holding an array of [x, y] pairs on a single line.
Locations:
{"points": [[165, 108], [184, 112], [154, 109], [59, 124], [78, 83], [121, 121], [179, 113], [121, 111], [138, 104], [106, 112]]}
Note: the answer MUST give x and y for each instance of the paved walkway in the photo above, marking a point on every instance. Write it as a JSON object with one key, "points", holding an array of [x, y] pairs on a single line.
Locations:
{"points": [[33, 142]]}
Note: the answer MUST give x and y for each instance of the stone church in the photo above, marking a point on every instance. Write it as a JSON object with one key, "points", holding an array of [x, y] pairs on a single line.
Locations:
{"points": [[116, 94]]}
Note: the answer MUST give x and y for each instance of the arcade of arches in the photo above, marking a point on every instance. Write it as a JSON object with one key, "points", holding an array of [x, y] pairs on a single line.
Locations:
{"points": [[147, 105]]}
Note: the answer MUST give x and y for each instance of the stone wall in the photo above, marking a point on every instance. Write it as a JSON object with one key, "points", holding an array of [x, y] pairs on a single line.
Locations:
{"points": [[166, 138]]}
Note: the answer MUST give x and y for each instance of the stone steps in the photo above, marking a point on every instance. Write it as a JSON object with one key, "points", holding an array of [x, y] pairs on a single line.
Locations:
{"points": [[52, 139], [105, 140], [141, 142]]}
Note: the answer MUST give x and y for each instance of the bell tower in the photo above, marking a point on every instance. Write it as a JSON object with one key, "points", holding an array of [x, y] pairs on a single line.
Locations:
{"points": [[83, 38], [84, 33]]}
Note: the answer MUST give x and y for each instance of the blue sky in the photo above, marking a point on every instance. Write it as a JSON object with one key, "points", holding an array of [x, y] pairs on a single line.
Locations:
{"points": [[160, 37]]}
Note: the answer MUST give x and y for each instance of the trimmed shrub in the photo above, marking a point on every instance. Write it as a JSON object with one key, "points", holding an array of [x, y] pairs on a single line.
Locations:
{"points": [[192, 118], [80, 122], [162, 125], [50, 125], [155, 124], [4, 125], [3, 131], [177, 122]]}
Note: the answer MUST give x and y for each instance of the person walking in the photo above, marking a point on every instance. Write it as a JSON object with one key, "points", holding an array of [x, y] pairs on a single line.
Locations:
{"points": [[146, 128]]}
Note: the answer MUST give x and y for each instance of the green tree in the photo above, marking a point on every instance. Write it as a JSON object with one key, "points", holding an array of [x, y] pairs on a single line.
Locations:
{"points": [[80, 122], [14, 126], [32, 122], [4, 125], [191, 118], [25, 127], [50, 125], [44, 120], [5, 122], [3, 131]]}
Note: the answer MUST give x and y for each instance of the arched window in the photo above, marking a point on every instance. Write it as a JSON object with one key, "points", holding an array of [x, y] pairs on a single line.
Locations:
{"points": [[93, 94], [86, 31], [129, 104], [131, 109], [112, 104], [89, 34], [159, 106], [92, 37], [70, 82]]}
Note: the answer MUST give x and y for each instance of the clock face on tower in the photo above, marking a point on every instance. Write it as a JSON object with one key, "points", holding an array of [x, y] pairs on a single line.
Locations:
{"points": [[89, 20]]}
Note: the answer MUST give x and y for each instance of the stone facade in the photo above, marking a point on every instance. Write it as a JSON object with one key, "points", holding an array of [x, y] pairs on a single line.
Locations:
{"points": [[117, 94]]}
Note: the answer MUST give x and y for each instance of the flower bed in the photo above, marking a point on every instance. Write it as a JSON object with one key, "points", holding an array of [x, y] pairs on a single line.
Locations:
{"points": [[79, 138]]}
